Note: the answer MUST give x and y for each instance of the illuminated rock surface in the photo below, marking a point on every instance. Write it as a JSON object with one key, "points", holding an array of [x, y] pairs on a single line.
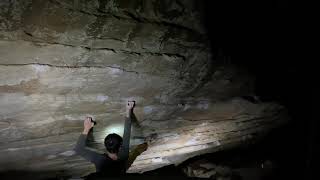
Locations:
{"points": [[61, 61]]}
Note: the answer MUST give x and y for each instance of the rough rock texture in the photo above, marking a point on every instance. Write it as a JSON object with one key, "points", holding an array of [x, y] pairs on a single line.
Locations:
{"points": [[207, 169], [206, 127], [63, 60]]}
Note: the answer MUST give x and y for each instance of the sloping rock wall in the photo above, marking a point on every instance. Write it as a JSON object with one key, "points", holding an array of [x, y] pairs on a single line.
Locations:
{"points": [[61, 61]]}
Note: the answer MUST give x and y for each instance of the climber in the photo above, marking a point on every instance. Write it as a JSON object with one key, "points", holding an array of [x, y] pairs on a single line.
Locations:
{"points": [[114, 162]]}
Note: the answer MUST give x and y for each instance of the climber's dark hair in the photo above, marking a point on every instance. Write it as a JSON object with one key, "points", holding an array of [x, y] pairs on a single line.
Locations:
{"points": [[113, 142]]}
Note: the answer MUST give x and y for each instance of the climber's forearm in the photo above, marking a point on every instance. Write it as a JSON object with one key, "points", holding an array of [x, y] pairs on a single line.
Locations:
{"points": [[127, 131], [129, 113], [85, 131], [88, 154], [127, 127], [81, 144], [126, 138]]}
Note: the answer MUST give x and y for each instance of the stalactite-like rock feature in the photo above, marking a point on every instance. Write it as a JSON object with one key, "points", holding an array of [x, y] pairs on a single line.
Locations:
{"points": [[61, 61]]}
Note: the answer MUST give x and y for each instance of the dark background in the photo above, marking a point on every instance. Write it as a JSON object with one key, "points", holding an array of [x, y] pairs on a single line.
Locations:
{"points": [[264, 36]]}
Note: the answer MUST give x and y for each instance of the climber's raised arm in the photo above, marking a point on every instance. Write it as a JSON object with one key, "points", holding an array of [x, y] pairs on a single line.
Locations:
{"points": [[124, 152], [80, 147]]}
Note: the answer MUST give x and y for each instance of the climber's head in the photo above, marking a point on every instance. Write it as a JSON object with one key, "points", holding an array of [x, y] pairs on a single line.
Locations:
{"points": [[113, 143]]}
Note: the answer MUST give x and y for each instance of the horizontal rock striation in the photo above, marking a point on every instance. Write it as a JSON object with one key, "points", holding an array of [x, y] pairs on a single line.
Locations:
{"points": [[61, 61]]}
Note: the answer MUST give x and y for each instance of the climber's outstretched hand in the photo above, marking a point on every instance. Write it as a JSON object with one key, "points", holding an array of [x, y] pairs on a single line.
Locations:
{"points": [[87, 125], [129, 108]]}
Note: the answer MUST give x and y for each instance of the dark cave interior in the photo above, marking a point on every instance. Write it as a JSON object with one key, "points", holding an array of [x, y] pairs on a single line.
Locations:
{"points": [[267, 30], [261, 36]]}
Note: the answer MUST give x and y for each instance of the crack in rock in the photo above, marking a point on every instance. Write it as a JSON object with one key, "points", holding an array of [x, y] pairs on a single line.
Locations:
{"points": [[73, 66], [40, 40], [129, 17]]}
